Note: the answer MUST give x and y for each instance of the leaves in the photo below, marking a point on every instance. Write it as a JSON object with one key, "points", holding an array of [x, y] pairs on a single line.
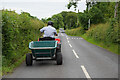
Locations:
{"points": [[17, 31], [58, 21]]}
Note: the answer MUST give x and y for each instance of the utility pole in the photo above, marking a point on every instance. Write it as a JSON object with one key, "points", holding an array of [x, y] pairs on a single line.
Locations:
{"points": [[89, 7], [77, 18], [89, 19], [116, 5]]}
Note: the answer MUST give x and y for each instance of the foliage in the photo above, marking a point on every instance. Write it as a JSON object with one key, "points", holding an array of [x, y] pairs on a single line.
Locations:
{"points": [[107, 33], [0, 44], [96, 16], [104, 35], [100, 12], [58, 21], [64, 14], [17, 31], [75, 32], [64, 20], [72, 3], [107, 9], [118, 25], [71, 20], [83, 19]]}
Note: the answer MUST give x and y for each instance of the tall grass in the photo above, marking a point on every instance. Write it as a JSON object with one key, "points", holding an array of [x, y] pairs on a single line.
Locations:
{"points": [[75, 32]]}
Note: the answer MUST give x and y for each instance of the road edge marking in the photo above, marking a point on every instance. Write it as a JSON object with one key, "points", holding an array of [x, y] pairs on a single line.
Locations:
{"points": [[75, 54], [85, 72]]}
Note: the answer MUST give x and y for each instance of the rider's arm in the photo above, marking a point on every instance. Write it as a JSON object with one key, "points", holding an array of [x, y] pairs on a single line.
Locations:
{"points": [[42, 31], [55, 33]]}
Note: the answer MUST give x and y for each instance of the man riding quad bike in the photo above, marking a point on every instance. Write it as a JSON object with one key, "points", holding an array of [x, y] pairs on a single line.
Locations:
{"points": [[50, 33], [46, 48]]}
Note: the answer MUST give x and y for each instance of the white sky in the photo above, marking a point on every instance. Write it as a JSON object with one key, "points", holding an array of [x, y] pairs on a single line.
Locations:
{"points": [[37, 0], [41, 8]]}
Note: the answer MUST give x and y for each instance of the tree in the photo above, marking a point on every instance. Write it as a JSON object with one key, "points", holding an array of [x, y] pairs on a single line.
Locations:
{"points": [[58, 21], [107, 9], [96, 15], [72, 3], [64, 14], [71, 20], [83, 19]]}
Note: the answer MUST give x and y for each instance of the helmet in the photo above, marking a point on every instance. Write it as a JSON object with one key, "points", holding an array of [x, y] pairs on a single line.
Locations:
{"points": [[50, 23]]}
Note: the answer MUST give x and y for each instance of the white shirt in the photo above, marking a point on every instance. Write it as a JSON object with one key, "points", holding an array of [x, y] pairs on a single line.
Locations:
{"points": [[48, 31]]}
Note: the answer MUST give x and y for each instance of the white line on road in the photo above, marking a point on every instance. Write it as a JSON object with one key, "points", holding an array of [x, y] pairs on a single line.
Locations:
{"points": [[61, 34], [68, 41], [80, 38], [75, 54], [86, 73], [70, 45]]}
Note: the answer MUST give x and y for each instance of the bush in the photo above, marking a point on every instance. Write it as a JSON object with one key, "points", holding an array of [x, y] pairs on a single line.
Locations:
{"points": [[105, 32], [17, 31], [76, 32]]}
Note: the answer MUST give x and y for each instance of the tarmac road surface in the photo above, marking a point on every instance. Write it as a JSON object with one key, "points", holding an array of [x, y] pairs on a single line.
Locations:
{"points": [[80, 60]]}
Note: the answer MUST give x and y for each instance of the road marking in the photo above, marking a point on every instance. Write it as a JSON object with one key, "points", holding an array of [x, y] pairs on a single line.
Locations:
{"points": [[86, 73], [67, 38], [75, 54], [80, 38], [33, 61], [70, 45], [68, 41], [61, 34], [76, 38]]}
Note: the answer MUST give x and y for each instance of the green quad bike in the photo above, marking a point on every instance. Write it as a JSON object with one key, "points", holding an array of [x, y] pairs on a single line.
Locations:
{"points": [[44, 49]]}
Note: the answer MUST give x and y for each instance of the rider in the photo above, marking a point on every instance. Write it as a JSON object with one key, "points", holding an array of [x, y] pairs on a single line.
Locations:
{"points": [[49, 31]]}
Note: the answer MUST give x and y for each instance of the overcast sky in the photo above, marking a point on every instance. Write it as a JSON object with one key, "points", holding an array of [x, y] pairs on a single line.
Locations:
{"points": [[37, 0], [41, 8]]}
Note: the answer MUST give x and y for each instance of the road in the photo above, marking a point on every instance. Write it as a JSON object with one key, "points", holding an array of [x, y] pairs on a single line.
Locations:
{"points": [[81, 59]]}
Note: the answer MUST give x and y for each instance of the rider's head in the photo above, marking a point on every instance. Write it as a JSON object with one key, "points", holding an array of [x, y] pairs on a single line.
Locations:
{"points": [[50, 23]]}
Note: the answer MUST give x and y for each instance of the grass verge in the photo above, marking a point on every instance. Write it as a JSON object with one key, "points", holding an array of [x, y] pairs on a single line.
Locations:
{"points": [[108, 46], [102, 35], [6, 70]]}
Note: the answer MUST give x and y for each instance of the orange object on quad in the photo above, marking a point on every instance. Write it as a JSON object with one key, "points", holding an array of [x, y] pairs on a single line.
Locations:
{"points": [[57, 39]]}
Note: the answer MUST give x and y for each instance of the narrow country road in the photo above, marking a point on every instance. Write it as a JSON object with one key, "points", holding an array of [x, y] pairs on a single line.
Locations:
{"points": [[80, 60]]}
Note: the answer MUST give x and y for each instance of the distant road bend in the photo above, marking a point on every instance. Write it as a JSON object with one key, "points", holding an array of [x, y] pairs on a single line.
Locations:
{"points": [[80, 60]]}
